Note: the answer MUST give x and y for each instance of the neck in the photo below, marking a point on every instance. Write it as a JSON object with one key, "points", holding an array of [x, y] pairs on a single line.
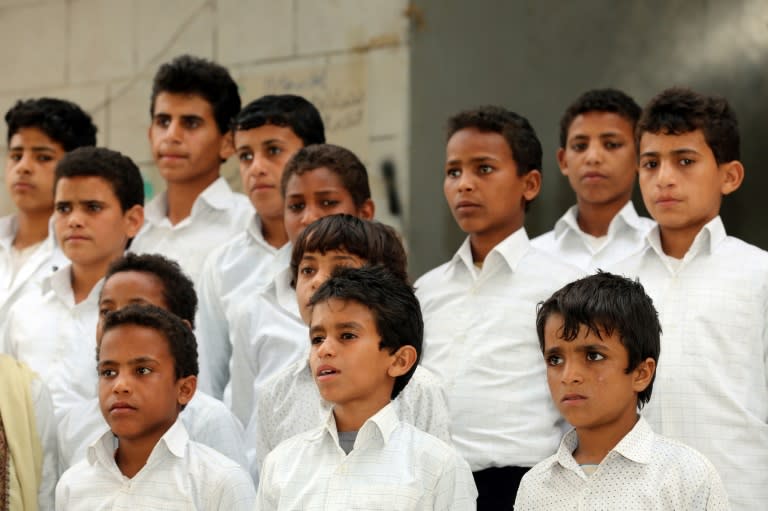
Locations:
{"points": [[352, 416], [33, 228], [594, 219], [677, 242], [595, 444], [131, 456], [182, 196], [85, 276], [273, 231], [482, 244]]}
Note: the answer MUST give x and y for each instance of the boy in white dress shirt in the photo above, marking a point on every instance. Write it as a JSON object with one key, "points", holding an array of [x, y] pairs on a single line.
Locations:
{"points": [[600, 341], [98, 200], [711, 291], [154, 280], [147, 363], [597, 154], [320, 180], [40, 132], [267, 133], [289, 403], [365, 336], [193, 102], [479, 307]]}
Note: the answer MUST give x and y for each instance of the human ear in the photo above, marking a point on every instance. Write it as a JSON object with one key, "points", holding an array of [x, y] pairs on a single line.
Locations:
{"points": [[227, 148], [733, 176], [133, 219], [403, 360], [366, 210], [531, 184], [186, 388], [561, 161], [643, 374]]}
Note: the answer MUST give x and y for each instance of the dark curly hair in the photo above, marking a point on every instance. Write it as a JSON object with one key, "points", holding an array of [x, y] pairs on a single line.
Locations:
{"points": [[62, 121], [599, 100], [286, 110]]}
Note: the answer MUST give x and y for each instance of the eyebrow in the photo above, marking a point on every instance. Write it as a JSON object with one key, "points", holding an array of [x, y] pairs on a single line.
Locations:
{"points": [[675, 152], [37, 149], [605, 134], [476, 159], [134, 361]]}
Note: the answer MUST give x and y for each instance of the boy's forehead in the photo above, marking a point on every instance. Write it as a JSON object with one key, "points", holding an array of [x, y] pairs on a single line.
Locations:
{"points": [[182, 103], [313, 180], [601, 120], [138, 285], [32, 136], [666, 142], [129, 339], [265, 132], [472, 142], [84, 188]]}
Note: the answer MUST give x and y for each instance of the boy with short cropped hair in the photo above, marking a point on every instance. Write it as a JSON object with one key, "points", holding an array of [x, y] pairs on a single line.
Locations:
{"points": [[193, 102], [147, 363], [40, 132], [151, 279], [365, 335], [600, 341], [711, 291], [478, 306], [98, 199], [266, 134], [289, 403], [597, 154], [320, 180]]}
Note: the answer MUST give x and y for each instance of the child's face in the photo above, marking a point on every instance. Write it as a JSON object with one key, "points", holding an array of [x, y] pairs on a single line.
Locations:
{"points": [[314, 269], [90, 226], [587, 378], [129, 288], [262, 154], [485, 194], [139, 394], [599, 158], [29, 170], [315, 194], [345, 359], [681, 183], [186, 143]]}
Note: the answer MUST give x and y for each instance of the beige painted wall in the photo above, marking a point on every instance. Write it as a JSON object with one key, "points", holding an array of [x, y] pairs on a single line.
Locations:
{"points": [[350, 57]]}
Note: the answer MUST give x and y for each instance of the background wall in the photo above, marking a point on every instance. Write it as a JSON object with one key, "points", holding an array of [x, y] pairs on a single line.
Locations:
{"points": [[349, 57], [537, 57]]}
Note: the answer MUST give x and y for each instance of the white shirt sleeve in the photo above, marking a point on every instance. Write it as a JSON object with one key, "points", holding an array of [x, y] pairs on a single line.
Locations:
{"points": [[46, 428], [212, 331]]}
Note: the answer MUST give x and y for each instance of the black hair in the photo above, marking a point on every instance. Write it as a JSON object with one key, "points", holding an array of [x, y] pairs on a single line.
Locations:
{"points": [[285, 110], [62, 121], [340, 161], [193, 75], [599, 100], [516, 130], [607, 303], [376, 243], [392, 303], [181, 340], [678, 110], [115, 168], [178, 290]]}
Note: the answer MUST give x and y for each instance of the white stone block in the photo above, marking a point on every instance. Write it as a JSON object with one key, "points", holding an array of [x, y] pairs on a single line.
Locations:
{"points": [[334, 25], [101, 40], [170, 28], [388, 90], [33, 41], [129, 120], [253, 30]]}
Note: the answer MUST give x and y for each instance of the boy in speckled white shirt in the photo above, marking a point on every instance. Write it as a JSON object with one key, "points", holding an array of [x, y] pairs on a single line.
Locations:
{"points": [[600, 337]]}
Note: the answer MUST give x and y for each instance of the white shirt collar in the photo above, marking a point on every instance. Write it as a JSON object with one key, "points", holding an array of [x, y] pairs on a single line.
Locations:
{"points": [[510, 250], [60, 282], [218, 195], [173, 442], [378, 428], [708, 238], [627, 215]]}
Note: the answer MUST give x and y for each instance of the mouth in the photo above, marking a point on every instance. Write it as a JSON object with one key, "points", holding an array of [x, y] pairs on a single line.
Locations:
{"points": [[76, 238], [466, 206], [593, 176], [21, 186], [667, 201], [121, 408], [573, 399], [172, 156], [326, 372], [262, 187]]}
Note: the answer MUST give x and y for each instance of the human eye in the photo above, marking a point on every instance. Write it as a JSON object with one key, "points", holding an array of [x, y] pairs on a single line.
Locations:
{"points": [[329, 203], [245, 156], [162, 121], [595, 356], [452, 172], [348, 336], [63, 207], [649, 164], [315, 340], [579, 147], [192, 122], [613, 144], [14, 156], [306, 270], [107, 373], [143, 371], [274, 150], [485, 169], [554, 360], [685, 162], [295, 207], [94, 207], [103, 311]]}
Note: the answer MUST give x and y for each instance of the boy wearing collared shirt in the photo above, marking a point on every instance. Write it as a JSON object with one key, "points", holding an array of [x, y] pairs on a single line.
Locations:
{"points": [[597, 154], [193, 102], [289, 403], [600, 340], [711, 291], [151, 279], [98, 200], [478, 307], [40, 132], [320, 180], [266, 133], [365, 335], [147, 363]]}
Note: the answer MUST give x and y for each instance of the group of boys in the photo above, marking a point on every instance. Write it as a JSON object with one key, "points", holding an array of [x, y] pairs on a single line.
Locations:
{"points": [[304, 364]]}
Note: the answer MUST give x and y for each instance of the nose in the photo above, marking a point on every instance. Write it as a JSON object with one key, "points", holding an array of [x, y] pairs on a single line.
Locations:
{"points": [[594, 154], [74, 219], [326, 349], [173, 131], [120, 384], [310, 214], [23, 165], [572, 373], [466, 182]]}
